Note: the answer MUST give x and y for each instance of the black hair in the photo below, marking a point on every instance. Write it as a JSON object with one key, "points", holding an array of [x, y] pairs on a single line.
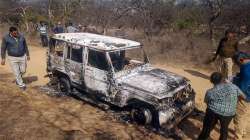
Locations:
{"points": [[230, 30], [12, 29], [216, 78]]}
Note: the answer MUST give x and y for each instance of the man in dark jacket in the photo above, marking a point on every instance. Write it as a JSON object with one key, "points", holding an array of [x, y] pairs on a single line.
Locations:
{"points": [[242, 80], [58, 29], [16, 47], [227, 49]]}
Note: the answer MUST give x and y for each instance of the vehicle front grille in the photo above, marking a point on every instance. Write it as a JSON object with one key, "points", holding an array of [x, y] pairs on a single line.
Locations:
{"points": [[184, 95], [179, 99]]}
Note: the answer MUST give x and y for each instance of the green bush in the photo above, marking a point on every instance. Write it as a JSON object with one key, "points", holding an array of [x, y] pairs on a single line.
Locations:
{"points": [[184, 23]]}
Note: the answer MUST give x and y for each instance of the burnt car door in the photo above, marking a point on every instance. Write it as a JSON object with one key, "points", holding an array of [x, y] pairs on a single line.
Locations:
{"points": [[96, 72], [74, 62], [55, 54]]}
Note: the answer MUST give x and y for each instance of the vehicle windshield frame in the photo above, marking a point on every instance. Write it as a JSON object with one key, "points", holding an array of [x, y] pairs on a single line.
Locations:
{"points": [[140, 48]]}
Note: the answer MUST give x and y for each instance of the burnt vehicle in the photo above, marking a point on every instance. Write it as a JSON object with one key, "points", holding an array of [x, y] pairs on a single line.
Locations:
{"points": [[117, 72]]}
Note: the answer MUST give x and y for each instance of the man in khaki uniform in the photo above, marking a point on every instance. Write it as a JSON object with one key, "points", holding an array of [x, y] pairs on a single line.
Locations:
{"points": [[227, 49]]}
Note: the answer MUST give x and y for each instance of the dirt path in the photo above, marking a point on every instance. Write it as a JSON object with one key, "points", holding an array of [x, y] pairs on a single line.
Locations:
{"points": [[36, 69], [45, 117]]}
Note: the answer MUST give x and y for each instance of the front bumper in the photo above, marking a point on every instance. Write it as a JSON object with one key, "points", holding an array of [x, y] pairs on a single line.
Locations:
{"points": [[171, 117]]}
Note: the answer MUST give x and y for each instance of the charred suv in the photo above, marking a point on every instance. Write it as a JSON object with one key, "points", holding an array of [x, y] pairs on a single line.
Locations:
{"points": [[117, 71]]}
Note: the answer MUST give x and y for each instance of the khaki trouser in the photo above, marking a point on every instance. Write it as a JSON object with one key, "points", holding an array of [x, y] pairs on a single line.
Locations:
{"points": [[240, 120], [18, 66], [225, 66]]}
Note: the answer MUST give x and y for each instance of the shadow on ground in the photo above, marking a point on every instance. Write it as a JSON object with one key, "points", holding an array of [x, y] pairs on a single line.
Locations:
{"points": [[192, 125], [30, 79], [197, 74]]}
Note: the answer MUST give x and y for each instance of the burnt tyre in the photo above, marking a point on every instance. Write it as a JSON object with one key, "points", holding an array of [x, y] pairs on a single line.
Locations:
{"points": [[64, 86], [142, 115]]}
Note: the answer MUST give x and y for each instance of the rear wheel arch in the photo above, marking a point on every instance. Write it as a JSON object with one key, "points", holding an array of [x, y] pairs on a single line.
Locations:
{"points": [[60, 74], [64, 82]]}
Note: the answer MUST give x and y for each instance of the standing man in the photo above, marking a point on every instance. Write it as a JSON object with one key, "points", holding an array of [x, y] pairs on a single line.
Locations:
{"points": [[58, 29], [71, 28], [18, 53], [221, 103], [43, 30], [227, 49], [242, 80]]}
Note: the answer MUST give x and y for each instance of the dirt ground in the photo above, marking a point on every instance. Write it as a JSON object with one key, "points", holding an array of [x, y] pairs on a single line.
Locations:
{"points": [[33, 115]]}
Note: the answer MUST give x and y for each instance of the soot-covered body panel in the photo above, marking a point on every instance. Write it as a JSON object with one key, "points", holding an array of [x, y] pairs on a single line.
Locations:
{"points": [[156, 82], [162, 95]]}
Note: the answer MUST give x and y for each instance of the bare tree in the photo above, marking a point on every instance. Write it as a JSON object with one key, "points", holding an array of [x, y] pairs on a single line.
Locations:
{"points": [[23, 13], [215, 8]]}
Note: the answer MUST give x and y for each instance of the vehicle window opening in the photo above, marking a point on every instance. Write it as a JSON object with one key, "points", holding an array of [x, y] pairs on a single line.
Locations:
{"points": [[76, 54], [129, 59], [98, 60], [56, 47], [118, 60]]}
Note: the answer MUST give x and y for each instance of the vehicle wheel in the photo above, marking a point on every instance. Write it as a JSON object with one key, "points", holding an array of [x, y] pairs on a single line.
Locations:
{"points": [[64, 86], [142, 115]]}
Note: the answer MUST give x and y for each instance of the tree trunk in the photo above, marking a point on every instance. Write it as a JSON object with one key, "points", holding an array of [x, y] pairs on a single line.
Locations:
{"points": [[26, 23], [50, 13], [211, 34]]}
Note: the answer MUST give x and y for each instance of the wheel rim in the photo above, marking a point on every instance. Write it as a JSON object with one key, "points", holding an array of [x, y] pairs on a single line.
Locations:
{"points": [[63, 88], [141, 116]]}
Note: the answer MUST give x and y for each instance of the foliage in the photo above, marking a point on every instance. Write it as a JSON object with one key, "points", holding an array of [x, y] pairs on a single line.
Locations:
{"points": [[184, 23], [149, 15]]}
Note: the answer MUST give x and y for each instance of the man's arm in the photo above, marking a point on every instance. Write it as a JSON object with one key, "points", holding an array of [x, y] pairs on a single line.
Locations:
{"points": [[219, 48], [237, 47], [3, 51], [241, 95], [206, 99]]}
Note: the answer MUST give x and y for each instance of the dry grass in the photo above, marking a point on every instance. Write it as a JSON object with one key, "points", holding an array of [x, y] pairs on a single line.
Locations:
{"points": [[35, 116], [177, 48]]}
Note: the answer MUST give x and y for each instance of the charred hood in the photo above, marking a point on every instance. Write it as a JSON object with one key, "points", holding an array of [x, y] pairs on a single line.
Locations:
{"points": [[157, 82]]}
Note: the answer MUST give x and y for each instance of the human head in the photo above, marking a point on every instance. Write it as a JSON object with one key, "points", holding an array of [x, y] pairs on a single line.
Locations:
{"points": [[230, 33], [42, 23], [13, 31], [216, 78], [59, 23]]}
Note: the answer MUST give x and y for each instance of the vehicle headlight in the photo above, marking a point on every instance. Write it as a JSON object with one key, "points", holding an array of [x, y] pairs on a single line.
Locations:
{"points": [[166, 115]]}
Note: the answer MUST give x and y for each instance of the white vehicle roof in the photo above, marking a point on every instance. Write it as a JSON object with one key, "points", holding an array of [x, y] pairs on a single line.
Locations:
{"points": [[99, 42]]}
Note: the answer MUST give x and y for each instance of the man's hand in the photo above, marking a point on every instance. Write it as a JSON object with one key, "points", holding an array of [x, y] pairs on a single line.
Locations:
{"points": [[28, 58], [3, 62]]}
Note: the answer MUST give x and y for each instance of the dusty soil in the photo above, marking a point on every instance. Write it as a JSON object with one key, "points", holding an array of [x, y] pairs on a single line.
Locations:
{"points": [[33, 115]]}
